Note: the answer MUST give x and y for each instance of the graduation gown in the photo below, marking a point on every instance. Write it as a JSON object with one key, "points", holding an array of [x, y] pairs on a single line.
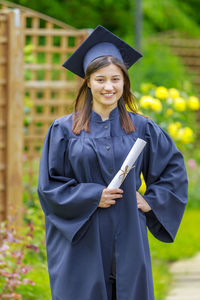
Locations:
{"points": [[82, 239]]}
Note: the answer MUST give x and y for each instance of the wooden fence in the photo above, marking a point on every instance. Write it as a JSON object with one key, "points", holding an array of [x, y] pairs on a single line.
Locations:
{"points": [[34, 90]]}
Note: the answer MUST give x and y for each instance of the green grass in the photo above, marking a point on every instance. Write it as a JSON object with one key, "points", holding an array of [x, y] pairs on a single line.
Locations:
{"points": [[161, 277], [186, 245]]}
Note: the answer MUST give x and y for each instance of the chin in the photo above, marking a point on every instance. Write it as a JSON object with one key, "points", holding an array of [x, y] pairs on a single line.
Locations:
{"points": [[110, 104]]}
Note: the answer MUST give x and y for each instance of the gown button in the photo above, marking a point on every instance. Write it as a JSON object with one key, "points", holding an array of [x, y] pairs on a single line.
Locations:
{"points": [[110, 170], [108, 147], [106, 126]]}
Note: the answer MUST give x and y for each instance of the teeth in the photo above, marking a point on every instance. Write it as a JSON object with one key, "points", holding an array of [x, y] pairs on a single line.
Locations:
{"points": [[108, 94]]}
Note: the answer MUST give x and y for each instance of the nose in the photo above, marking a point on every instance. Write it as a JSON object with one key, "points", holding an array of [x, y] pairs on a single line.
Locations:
{"points": [[108, 86]]}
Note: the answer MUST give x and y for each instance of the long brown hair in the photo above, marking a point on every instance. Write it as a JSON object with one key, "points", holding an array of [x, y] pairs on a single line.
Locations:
{"points": [[83, 102]]}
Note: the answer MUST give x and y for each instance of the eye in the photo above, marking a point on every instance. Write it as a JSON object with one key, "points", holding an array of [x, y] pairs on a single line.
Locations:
{"points": [[100, 80], [116, 79]]}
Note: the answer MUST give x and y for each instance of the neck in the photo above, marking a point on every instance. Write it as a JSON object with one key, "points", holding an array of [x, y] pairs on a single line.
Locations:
{"points": [[103, 112]]}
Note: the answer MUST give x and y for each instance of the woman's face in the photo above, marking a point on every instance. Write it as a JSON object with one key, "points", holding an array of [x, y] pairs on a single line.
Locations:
{"points": [[106, 86]]}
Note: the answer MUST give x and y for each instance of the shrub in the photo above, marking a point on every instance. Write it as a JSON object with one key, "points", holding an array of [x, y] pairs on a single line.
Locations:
{"points": [[173, 110], [13, 268]]}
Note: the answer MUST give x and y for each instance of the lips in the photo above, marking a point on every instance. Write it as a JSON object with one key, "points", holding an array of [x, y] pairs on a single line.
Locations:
{"points": [[108, 95]]}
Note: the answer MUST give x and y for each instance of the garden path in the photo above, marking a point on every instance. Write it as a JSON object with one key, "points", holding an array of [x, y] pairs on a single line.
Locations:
{"points": [[186, 275]]}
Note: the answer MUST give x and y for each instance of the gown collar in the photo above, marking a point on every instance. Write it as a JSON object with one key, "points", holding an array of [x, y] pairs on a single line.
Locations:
{"points": [[95, 117]]}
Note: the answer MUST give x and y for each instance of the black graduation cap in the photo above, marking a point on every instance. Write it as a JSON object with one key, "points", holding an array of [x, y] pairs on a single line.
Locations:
{"points": [[101, 42]]}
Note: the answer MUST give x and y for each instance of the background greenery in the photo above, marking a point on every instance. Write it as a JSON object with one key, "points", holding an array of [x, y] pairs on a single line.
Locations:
{"points": [[118, 15]]}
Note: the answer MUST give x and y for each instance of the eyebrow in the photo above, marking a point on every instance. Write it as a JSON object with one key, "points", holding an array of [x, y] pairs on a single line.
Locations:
{"points": [[117, 75]]}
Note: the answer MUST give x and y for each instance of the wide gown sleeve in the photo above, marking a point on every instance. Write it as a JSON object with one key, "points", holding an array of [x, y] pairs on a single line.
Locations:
{"points": [[67, 204], [167, 184]]}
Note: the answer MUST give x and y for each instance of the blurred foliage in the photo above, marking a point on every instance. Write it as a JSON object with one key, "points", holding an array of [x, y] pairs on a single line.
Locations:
{"points": [[41, 289], [89, 13], [164, 15], [191, 8], [23, 266], [118, 15], [193, 170], [159, 66], [14, 267]]}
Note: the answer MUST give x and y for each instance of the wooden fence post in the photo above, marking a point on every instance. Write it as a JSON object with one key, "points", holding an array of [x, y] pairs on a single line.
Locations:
{"points": [[3, 111], [15, 101]]}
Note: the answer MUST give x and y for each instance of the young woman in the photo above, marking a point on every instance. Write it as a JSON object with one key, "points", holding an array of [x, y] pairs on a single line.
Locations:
{"points": [[97, 245]]}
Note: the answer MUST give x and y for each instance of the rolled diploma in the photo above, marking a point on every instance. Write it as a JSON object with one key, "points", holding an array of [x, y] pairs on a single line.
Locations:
{"points": [[127, 164]]}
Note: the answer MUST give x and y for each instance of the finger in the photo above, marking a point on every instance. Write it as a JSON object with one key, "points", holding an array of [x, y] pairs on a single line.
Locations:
{"points": [[115, 191], [115, 196], [108, 195], [105, 205], [108, 204], [112, 202], [112, 196]]}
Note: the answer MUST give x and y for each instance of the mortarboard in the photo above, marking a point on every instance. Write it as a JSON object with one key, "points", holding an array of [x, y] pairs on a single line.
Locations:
{"points": [[101, 42]]}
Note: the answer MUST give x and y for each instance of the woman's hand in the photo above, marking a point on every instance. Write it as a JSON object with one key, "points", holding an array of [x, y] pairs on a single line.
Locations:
{"points": [[142, 203], [109, 197]]}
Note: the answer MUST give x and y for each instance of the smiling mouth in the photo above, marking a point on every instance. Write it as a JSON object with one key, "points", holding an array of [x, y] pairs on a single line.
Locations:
{"points": [[108, 95]]}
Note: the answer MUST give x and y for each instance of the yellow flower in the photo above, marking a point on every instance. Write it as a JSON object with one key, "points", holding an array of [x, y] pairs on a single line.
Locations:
{"points": [[193, 103], [161, 92], [146, 101], [169, 112], [186, 135], [173, 129], [143, 186], [174, 93], [156, 105], [179, 104]]}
